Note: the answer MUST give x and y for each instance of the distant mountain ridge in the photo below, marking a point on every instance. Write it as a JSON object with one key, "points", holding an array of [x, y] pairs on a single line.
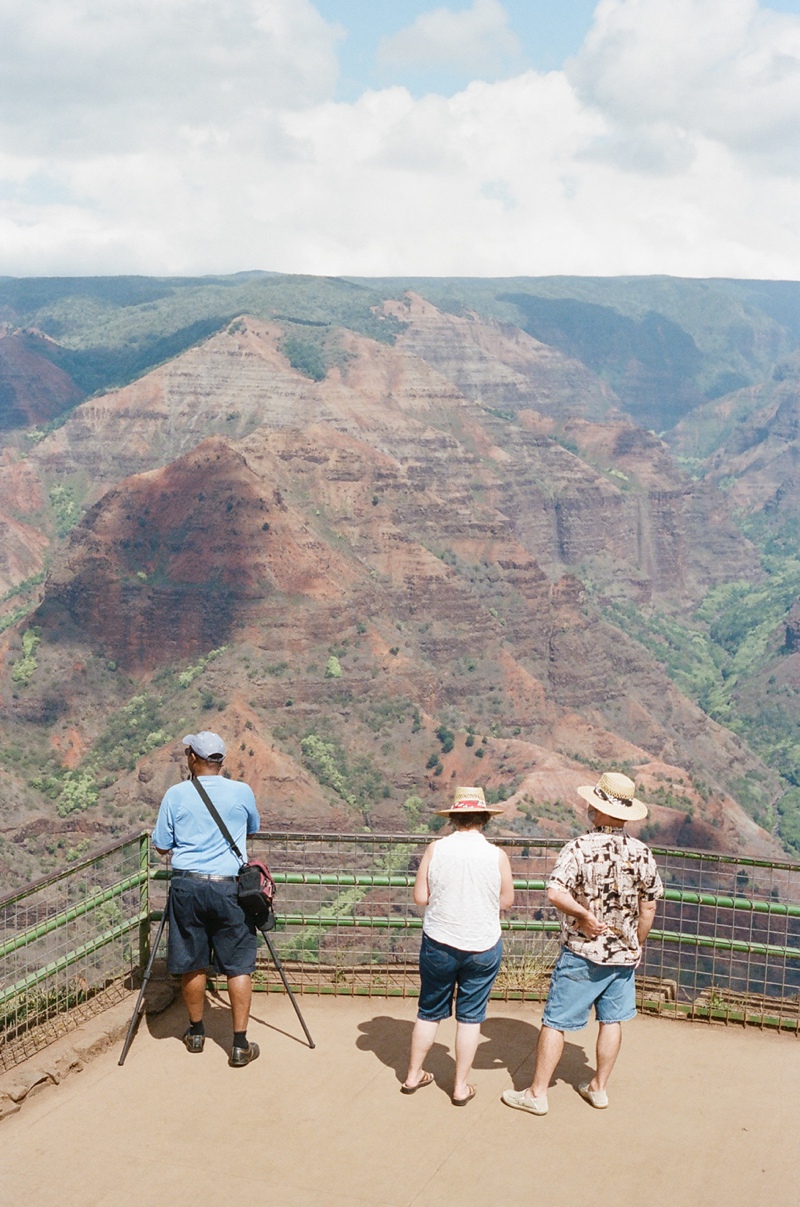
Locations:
{"points": [[663, 344]]}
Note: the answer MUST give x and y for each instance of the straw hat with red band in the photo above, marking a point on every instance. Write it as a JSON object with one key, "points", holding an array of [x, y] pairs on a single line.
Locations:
{"points": [[469, 800], [613, 795]]}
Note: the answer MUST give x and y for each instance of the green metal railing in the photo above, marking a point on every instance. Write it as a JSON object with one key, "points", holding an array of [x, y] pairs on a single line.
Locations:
{"points": [[70, 943], [725, 945]]}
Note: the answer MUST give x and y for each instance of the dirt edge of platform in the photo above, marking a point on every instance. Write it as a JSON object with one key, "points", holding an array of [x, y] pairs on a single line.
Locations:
{"points": [[70, 1053]]}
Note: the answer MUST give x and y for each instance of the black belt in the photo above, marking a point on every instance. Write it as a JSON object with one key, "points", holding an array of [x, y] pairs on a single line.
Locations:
{"points": [[202, 876]]}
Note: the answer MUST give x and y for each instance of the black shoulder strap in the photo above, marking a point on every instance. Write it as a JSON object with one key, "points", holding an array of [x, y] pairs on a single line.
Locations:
{"points": [[226, 834]]}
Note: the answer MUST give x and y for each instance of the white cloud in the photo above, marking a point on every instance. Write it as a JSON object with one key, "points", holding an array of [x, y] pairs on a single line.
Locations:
{"points": [[661, 149], [721, 69], [478, 39], [107, 74]]}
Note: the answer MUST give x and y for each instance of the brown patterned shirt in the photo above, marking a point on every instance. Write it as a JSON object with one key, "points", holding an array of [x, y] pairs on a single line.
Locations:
{"points": [[609, 873]]}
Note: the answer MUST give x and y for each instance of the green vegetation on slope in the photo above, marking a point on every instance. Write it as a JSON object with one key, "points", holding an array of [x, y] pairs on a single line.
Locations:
{"points": [[353, 777], [304, 356], [728, 658], [23, 669], [110, 330], [132, 731]]}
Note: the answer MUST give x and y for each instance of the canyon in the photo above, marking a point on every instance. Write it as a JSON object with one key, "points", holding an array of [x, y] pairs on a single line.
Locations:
{"points": [[384, 558]]}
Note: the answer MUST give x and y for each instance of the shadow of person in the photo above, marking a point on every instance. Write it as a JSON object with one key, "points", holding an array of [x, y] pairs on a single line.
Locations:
{"points": [[506, 1043], [172, 1022], [218, 1016], [511, 1044], [573, 1068], [390, 1040], [168, 1023]]}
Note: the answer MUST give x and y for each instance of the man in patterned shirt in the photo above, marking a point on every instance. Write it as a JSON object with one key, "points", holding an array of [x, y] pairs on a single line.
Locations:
{"points": [[605, 885]]}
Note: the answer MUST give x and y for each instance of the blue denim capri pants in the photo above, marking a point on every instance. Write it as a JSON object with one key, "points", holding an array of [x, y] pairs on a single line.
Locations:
{"points": [[447, 971], [577, 984]]}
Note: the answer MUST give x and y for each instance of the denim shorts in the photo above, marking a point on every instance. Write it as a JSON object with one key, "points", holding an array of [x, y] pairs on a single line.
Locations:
{"points": [[445, 971], [578, 984], [205, 917]]}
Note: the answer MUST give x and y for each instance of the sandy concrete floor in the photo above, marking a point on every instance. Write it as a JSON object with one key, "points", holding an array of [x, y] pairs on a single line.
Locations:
{"points": [[699, 1115]]}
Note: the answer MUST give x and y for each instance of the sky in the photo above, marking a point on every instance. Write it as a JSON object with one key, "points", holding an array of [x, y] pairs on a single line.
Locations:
{"points": [[400, 137]]}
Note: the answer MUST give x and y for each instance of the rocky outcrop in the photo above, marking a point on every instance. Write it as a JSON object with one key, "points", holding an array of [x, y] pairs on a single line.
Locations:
{"points": [[497, 364], [792, 629], [755, 459], [167, 564], [33, 390]]}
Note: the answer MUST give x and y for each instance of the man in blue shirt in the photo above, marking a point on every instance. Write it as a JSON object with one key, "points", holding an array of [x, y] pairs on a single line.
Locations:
{"points": [[204, 912]]}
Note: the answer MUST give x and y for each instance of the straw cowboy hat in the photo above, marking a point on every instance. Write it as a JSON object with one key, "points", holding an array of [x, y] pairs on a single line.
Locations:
{"points": [[469, 800], [613, 795]]}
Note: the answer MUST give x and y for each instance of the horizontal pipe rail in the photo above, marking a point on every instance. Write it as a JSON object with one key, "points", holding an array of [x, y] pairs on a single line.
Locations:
{"points": [[72, 957], [743, 861], [754, 905], [685, 896], [403, 922], [744, 946], [29, 936], [43, 882], [368, 839], [553, 844]]}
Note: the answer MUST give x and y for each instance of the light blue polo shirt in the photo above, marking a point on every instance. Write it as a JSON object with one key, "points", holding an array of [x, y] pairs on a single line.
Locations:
{"points": [[185, 826]]}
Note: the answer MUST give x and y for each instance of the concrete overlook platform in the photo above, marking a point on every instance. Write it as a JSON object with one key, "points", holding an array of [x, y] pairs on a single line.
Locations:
{"points": [[699, 1114]]}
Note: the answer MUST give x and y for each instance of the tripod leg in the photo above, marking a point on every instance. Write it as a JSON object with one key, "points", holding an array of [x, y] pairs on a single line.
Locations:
{"points": [[277, 964], [140, 1000]]}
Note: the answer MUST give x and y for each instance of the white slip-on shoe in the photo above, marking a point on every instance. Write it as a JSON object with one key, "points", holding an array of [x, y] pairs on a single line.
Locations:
{"points": [[521, 1102], [595, 1098]]}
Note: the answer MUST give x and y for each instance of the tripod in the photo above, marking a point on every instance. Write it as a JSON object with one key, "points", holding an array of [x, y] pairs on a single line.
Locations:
{"points": [[286, 986], [140, 1000]]}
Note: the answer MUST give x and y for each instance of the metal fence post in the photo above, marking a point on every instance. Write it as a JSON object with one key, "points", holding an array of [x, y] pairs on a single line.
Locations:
{"points": [[144, 901]]}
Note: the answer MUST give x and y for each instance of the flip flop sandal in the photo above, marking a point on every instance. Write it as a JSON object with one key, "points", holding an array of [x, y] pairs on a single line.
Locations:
{"points": [[425, 1079], [463, 1101]]}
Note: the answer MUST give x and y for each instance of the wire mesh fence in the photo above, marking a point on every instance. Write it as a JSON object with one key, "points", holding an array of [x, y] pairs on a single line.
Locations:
{"points": [[347, 922], [724, 945], [69, 946], [726, 939]]}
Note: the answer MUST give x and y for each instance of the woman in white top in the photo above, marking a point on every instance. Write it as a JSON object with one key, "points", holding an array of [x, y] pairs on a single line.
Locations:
{"points": [[464, 881]]}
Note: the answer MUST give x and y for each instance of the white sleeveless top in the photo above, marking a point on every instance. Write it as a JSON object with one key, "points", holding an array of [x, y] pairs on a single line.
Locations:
{"points": [[464, 887]]}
